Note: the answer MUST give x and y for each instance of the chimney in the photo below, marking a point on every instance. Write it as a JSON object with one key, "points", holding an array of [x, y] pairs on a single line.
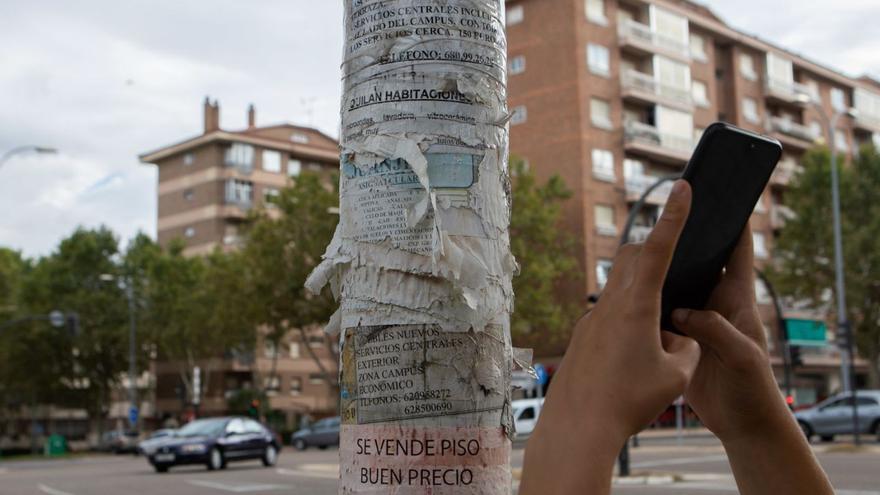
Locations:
{"points": [[211, 115], [252, 116]]}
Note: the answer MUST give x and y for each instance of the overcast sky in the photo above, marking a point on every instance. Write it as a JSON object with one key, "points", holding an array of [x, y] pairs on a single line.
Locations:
{"points": [[105, 80]]}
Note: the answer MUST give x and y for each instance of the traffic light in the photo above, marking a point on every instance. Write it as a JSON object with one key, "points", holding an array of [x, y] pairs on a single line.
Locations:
{"points": [[794, 353], [789, 399], [254, 410]]}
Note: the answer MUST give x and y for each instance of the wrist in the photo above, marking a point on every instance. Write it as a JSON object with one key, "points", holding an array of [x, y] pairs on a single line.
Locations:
{"points": [[776, 423]]}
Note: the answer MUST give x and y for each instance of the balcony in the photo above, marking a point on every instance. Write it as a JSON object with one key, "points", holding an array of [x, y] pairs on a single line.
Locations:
{"points": [[643, 88], [636, 185], [787, 91], [791, 133], [641, 39], [785, 172], [779, 215], [639, 233], [647, 140], [866, 121]]}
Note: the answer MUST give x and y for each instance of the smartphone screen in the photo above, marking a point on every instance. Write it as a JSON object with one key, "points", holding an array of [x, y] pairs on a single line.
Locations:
{"points": [[727, 173]]}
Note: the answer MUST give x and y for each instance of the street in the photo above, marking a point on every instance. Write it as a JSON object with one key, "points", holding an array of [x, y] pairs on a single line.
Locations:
{"points": [[697, 466]]}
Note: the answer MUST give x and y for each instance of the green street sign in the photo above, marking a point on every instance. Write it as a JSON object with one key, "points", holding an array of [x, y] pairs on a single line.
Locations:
{"points": [[806, 333]]}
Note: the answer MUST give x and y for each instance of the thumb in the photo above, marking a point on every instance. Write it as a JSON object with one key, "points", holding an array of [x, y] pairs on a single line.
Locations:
{"points": [[712, 330], [684, 352]]}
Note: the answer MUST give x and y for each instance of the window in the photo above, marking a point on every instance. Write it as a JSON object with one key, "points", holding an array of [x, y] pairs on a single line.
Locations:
{"points": [[527, 413], [598, 60], [603, 165], [700, 93], [633, 168], [816, 130], [603, 269], [596, 12], [294, 350], [270, 196], [269, 349], [760, 245], [235, 427], [780, 73], [316, 340], [188, 159], [698, 134], [240, 156], [239, 191], [867, 102], [316, 379], [813, 90], [515, 15], [762, 295], [517, 65], [519, 115], [698, 47], [271, 384], [674, 78], [747, 67], [294, 167], [300, 138], [672, 28], [189, 232], [838, 99], [296, 385], [750, 110], [188, 194], [840, 141], [605, 224], [251, 426], [271, 161], [600, 113]]}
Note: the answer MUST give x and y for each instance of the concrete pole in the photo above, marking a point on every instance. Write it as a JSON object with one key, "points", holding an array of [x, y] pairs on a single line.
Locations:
{"points": [[421, 260]]}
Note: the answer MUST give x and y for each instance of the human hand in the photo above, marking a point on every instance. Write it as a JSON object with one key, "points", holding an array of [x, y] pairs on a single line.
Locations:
{"points": [[619, 372], [733, 390]]}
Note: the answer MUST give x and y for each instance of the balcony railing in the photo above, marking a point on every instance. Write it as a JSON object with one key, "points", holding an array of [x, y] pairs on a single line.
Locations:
{"points": [[785, 171], [645, 83], [788, 90], [633, 31], [636, 185], [639, 132], [779, 215], [867, 121], [639, 233], [793, 129]]}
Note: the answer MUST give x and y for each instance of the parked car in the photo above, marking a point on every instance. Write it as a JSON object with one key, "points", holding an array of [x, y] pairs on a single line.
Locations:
{"points": [[215, 442], [834, 416], [525, 415], [119, 442], [148, 446], [321, 434]]}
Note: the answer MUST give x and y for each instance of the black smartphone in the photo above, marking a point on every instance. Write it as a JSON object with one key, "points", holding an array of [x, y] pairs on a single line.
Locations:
{"points": [[728, 172]]}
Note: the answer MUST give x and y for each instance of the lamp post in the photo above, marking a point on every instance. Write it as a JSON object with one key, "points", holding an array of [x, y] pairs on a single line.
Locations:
{"points": [[18, 150], [126, 285], [844, 332]]}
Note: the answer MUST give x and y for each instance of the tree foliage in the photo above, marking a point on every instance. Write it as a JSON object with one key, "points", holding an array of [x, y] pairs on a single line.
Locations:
{"points": [[545, 253], [805, 250]]}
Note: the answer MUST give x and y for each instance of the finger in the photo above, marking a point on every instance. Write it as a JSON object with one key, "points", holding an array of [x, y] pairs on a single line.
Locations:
{"points": [[684, 350], [622, 269], [741, 265], [712, 330], [659, 247]]}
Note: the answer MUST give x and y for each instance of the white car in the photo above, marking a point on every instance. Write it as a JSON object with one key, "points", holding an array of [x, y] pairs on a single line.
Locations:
{"points": [[525, 415]]}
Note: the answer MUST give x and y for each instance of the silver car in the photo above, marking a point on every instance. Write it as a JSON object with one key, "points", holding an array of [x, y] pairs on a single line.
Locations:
{"points": [[834, 416]]}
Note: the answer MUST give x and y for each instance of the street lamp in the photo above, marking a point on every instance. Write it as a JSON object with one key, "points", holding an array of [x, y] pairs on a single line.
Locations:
{"points": [[126, 285], [847, 363], [40, 150]]}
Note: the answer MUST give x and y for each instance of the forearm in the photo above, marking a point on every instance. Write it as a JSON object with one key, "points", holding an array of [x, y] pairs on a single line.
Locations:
{"points": [[778, 462], [562, 460]]}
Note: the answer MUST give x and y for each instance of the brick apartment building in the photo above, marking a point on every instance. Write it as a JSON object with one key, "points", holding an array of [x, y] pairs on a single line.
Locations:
{"points": [[206, 186], [612, 94]]}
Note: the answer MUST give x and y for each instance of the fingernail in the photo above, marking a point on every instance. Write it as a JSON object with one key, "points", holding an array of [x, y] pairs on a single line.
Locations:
{"points": [[680, 316], [678, 187]]}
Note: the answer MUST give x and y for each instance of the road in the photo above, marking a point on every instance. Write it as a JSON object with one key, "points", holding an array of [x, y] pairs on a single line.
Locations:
{"points": [[699, 466]]}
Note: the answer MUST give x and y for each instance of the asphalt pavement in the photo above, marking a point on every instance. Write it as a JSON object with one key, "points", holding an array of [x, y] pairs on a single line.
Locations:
{"points": [[661, 466]]}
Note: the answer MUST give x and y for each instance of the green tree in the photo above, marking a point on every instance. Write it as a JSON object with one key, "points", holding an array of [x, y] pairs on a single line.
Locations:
{"points": [[804, 267], [13, 269], [190, 306], [283, 244], [545, 252], [79, 370]]}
